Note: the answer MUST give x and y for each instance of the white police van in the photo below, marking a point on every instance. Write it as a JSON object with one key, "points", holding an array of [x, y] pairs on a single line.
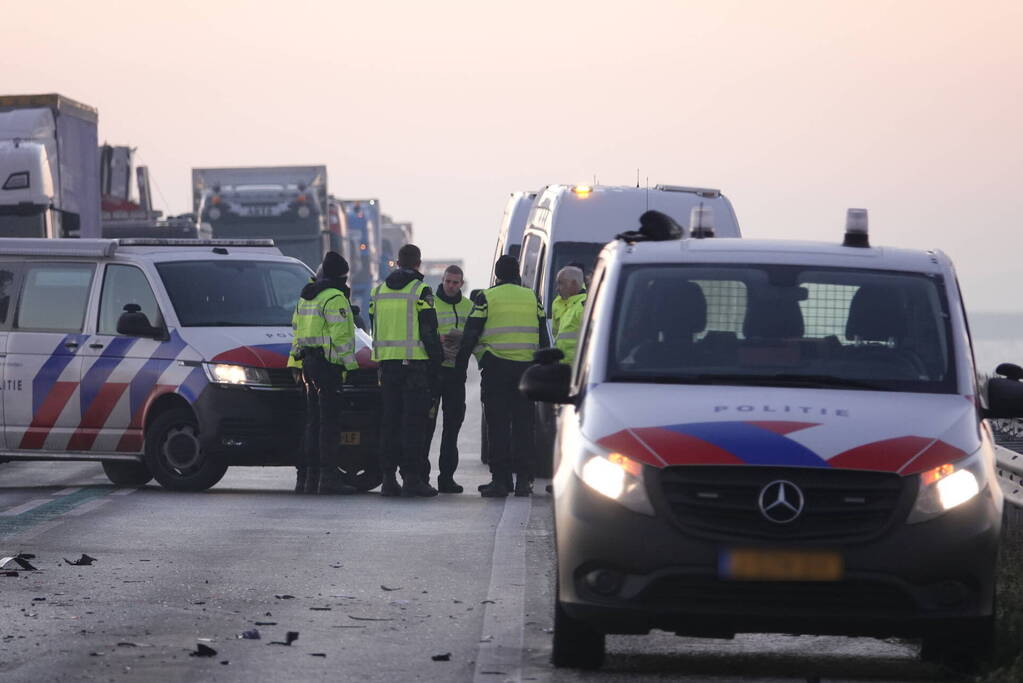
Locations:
{"points": [[772, 436], [159, 358], [513, 224]]}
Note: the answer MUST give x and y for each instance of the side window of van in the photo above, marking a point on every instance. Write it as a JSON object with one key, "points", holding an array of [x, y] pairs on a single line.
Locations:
{"points": [[591, 305], [10, 278], [123, 285], [530, 261], [54, 297]]}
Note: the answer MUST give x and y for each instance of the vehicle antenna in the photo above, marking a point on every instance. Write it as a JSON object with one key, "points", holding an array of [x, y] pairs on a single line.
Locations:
{"points": [[637, 178], [647, 193]]}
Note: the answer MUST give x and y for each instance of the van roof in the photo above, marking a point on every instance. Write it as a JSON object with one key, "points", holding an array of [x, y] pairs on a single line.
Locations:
{"points": [[108, 248], [762, 251]]}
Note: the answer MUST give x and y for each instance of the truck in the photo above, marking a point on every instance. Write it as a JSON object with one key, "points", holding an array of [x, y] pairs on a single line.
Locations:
{"points": [[285, 203], [362, 217], [126, 200], [393, 236], [49, 163]]}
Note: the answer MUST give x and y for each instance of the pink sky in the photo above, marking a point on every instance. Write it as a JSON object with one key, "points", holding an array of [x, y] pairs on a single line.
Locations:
{"points": [[796, 110]]}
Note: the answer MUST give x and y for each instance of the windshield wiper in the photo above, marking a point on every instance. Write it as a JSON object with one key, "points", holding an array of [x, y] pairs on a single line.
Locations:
{"points": [[780, 379]]}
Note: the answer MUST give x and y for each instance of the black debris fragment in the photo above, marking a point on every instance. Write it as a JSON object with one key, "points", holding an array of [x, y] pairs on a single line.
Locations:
{"points": [[265, 623], [38, 599], [487, 602], [83, 561], [22, 560], [252, 634], [446, 657], [284, 596], [203, 650], [289, 638], [386, 588], [320, 609], [225, 662], [9, 573], [369, 618], [317, 654]]}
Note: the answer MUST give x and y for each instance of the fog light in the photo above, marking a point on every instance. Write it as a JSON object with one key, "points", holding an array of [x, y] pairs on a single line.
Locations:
{"points": [[604, 581]]}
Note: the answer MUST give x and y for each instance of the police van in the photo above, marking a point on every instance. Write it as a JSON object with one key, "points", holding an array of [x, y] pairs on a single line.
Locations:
{"points": [[772, 436], [158, 358], [572, 223], [513, 224]]}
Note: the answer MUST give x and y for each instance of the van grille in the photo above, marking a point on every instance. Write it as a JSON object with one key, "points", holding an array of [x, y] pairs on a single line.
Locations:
{"points": [[722, 502]]}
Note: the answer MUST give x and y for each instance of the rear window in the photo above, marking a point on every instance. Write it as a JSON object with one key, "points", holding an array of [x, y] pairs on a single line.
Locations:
{"points": [[233, 293]]}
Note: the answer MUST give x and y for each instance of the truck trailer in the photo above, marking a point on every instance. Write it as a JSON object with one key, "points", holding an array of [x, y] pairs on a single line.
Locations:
{"points": [[49, 167]]}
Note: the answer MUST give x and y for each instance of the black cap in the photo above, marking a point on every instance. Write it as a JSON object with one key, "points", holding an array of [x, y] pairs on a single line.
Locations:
{"points": [[334, 265], [506, 268]]}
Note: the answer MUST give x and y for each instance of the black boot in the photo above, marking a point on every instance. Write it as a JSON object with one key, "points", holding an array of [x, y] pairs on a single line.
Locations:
{"points": [[417, 488], [506, 482], [312, 479], [300, 479], [332, 483], [448, 485], [390, 488], [523, 487], [498, 488]]}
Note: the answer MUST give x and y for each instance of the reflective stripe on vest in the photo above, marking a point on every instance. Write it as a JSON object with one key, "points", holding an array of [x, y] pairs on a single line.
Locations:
{"points": [[388, 342], [511, 330]]}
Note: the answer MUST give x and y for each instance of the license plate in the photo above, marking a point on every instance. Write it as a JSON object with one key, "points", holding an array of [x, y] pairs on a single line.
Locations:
{"points": [[780, 565], [351, 438], [260, 210]]}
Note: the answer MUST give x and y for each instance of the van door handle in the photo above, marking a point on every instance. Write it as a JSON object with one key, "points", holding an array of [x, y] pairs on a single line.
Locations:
{"points": [[71, 345], [96, 346]]}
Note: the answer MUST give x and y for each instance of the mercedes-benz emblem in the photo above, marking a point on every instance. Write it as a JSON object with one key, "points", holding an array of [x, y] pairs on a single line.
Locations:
{"points": [[781, 501]]}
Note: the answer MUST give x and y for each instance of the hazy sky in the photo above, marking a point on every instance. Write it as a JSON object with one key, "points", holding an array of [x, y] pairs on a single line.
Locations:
{"points": [[796, 110]]}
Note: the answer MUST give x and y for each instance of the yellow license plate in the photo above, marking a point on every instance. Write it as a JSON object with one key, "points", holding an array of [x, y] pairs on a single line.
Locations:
{"points": [[781, 565], [351, 438]]}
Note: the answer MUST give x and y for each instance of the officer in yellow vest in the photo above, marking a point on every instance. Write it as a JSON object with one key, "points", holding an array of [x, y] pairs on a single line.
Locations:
{"points": [[323, 350], [408, 349], [452, 313], [508, 322], [569, 307]]}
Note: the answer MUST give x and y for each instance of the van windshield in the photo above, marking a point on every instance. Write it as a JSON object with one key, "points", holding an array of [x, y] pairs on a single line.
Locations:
{"points": [[779, 325], [233, 293]]}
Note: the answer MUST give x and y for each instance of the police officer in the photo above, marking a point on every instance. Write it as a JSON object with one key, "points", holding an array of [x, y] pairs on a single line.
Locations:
{"points": [[407, 347], [324, 349], [452, 313], [508, 322], [568, 309]]}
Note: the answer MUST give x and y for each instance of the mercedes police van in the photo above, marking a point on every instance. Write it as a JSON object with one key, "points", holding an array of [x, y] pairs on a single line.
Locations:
{"points": [[772, 436], [572, 223], [159, 358]]}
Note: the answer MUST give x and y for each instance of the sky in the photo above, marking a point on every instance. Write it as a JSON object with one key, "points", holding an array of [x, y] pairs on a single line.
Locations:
{"points": [[796, 110]]}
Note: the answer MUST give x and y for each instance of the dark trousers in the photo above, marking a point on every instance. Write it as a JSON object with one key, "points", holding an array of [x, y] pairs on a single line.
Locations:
{"points": [[322, 382], [452, 402], [404, 416], [509, 417]]}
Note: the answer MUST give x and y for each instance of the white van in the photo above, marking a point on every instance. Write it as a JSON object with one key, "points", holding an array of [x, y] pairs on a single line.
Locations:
{"points": [[159, 358], [513, 224], [772, 436]]}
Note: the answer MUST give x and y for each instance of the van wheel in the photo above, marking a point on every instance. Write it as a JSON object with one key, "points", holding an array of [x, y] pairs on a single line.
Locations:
{"points": [[127, 473], [962, 650], [174, 455], [576, 645]]}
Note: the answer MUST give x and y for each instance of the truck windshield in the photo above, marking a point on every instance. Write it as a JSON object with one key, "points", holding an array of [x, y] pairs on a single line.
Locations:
{"points": [[17, 222], [774, 325], [233, 293]]}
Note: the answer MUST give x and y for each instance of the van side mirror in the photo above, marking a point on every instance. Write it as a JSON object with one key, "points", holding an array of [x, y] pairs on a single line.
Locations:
{"points": [[134, 323], [548, 380], [1005, 394]]}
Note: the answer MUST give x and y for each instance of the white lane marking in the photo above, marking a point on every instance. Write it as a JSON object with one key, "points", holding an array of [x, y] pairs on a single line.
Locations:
{"points": [[123, 492], [88, 506], [500, 650], [25, 507], [68, 491]]}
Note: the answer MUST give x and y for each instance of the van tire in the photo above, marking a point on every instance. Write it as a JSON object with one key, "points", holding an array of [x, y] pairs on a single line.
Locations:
{"points": [[576, 645], [122, 473], [174, 456], [962, 650]]}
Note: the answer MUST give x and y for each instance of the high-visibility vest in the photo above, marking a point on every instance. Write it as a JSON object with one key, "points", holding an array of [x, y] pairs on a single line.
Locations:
{"points": [[558, 308], [512, 314], [396, 321], [451, 317], [325, 323], [571, 321]]}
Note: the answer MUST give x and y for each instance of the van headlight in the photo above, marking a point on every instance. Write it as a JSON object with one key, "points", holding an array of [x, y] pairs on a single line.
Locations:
{"points": [[225, 373], [610, 474], [948, 486]]}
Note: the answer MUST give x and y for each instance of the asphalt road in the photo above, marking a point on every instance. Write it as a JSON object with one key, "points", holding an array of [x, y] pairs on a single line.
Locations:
{"points": [[374, 588]]}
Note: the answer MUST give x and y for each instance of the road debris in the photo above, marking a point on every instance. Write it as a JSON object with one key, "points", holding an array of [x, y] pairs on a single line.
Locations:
{"points": [[369, 618], [265, 623], [21, 559], [289, 638], [446, 657], [252, 634], [203, 650], [387, 588], [317, 654], [83, 561], [284, 596]]}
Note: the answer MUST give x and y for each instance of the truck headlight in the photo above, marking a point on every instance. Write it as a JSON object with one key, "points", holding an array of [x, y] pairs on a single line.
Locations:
{"points": [[948, 486], [224, 373]]}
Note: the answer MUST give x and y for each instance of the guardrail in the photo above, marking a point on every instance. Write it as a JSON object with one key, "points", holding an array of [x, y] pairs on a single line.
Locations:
{"points": [[1009, 460]]}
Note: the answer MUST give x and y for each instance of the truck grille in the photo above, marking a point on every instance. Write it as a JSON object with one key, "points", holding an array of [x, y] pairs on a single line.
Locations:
{"points": [[722, 502]]}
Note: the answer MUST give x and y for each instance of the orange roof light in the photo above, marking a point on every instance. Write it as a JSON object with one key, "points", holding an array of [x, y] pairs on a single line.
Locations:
{"points": [[582, 190]]}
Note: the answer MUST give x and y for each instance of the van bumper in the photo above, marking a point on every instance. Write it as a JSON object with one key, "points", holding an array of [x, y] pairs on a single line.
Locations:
{"points": [[624, 572]]}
